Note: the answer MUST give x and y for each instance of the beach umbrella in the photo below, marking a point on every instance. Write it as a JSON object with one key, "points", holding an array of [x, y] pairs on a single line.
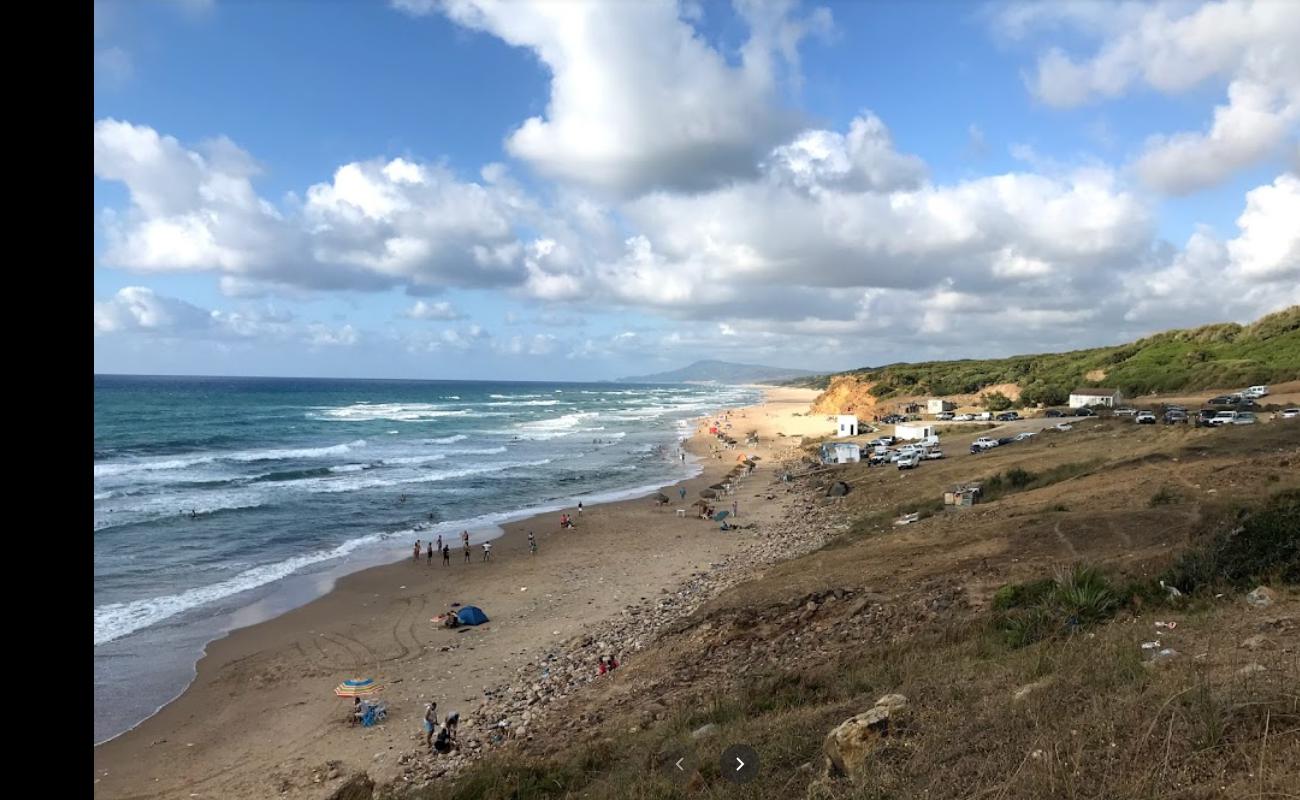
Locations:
{"points": [[708, 493], [356, 687], [720, 516]]}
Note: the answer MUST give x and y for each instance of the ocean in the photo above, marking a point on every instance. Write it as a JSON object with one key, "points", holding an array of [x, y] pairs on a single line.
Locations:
{"points": [[220, 502]]}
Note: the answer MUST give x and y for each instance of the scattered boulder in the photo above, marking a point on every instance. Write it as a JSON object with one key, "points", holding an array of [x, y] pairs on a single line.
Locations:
{"points": [[1261, 597], [1251, 669], [850, 745], [1257, 642], [837, 489], [704, 730], [1029, 688], [358, 787]]}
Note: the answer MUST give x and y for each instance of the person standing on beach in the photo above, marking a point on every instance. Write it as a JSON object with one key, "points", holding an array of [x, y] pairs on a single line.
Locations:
{"points": [[417, 551], [446, 555], [580, 508], [431, 552], [487, 551], [440, 541], [467, 551], [532, 543], [464, 537], [682, 493], [735, 508], [430, 723]]}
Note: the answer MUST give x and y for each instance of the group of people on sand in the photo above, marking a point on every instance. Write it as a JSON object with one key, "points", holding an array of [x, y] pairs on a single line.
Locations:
{"points": [[445, 549], [440, 738]]}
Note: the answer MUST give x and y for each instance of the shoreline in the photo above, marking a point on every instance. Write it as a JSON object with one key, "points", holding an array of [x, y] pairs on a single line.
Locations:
{"points": [[376, 622]]}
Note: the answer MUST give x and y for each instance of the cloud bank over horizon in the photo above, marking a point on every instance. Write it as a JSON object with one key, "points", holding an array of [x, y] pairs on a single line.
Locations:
{"points": [[670, 199]]}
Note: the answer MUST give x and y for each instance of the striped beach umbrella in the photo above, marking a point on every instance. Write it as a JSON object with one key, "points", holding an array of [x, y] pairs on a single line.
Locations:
{"points": [[356, 687]]}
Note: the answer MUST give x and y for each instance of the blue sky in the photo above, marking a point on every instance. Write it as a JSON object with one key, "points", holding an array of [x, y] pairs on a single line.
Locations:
{"points": [[570, 190]]}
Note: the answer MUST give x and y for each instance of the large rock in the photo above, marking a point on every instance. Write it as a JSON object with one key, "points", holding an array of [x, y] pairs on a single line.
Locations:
{"points": [[358, 787], [850, 745], [837, 489], [1261, 597]]}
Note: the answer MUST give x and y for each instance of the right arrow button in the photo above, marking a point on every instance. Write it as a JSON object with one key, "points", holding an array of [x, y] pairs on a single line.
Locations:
{"points": [[739, 763]]}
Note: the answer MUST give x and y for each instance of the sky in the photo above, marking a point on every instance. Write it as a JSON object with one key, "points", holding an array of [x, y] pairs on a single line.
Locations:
{"points": [[568, 190]]}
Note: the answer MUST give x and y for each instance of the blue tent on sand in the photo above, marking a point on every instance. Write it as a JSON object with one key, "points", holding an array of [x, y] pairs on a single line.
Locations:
{"points": [[471, 615]]}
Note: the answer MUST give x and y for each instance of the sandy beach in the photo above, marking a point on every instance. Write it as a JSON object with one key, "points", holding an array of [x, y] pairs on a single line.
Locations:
{"points": [[260, 719]]}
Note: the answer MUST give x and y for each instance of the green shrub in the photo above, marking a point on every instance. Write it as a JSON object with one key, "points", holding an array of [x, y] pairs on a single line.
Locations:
{"points": [[1262, 546], [1084, 595], [1164, 497], [1022, 595], [995, 401]]}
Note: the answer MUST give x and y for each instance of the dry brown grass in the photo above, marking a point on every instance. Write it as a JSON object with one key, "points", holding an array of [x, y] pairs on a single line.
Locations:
{"points": [[1101, 724]]}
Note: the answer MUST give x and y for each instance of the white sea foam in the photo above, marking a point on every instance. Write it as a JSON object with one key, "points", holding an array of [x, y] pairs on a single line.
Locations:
{"points": [[460, 437], [186, 461], [527, 403], [115, 620], [396, 412]]}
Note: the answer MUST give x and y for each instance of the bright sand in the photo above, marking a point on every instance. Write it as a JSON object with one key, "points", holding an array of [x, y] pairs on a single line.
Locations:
{"points": [[262, 700]]}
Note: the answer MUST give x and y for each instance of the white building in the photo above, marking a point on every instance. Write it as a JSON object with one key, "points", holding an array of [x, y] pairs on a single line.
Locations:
{"points": [[848, 425], [913, 431], [841, 453], [937, 406], [1094, 397]]}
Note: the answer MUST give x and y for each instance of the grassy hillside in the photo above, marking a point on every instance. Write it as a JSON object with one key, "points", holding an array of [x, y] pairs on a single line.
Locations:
{"points": [[1023, 668], [1212, 356]]}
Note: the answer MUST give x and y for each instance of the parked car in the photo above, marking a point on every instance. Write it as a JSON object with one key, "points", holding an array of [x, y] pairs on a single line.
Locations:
{"points": [[1064, 426], [985, 443], [882, 441], [1008, 416], [1223, 418], [1245, 418], [1054, 412], [963, 417], [932, 454], [908, 460], [1125, 411], [1291, 413], [984, 416], [1257, 392], [1221, 400], [1175, 415], [1145, 418], [1204, 416], [1023, 435], [945, 415], [1084, 411]]}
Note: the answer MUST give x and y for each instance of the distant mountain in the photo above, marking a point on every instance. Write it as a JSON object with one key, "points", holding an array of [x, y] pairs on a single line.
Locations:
{"points": [[720, 372]]}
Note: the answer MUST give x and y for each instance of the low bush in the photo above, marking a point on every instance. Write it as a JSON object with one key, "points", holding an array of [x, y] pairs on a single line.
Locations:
{"points": [[1251, 547]]}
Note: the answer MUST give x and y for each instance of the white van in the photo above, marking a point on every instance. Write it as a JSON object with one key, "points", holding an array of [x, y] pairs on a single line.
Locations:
{"points": [[1256, 392], [1223, 418]]}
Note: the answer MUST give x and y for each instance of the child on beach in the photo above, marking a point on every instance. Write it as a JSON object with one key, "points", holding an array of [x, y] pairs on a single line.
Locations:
{"points": [[446, 555], [580, 508]]}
